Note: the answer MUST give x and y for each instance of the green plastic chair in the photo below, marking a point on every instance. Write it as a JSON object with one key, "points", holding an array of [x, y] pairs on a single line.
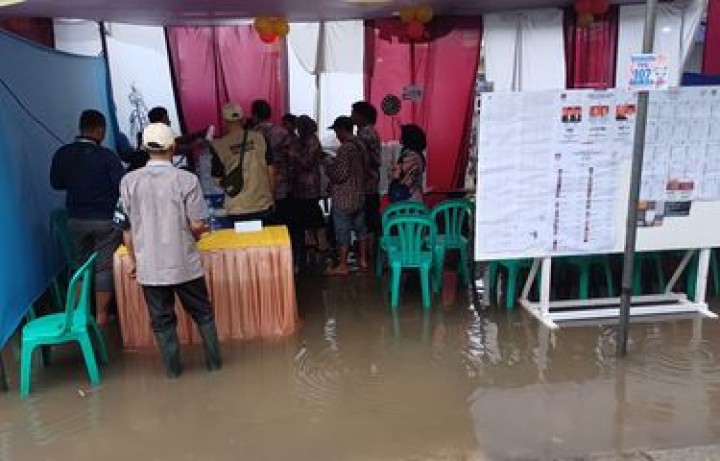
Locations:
{"points": [[60, 231], [414, 248], [454, 215], [72, 325], [513, 267], [584, 265], [655, 258], [408, 208]]}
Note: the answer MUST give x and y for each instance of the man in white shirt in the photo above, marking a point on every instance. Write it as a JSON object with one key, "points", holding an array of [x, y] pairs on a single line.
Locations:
{"points": [[162, 213]]}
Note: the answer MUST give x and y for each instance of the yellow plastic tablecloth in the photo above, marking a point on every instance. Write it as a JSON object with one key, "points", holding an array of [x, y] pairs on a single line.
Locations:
{"points": [[228, 239]]}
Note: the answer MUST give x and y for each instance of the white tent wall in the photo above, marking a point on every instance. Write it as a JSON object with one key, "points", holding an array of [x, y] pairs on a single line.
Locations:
{"points": [[525, 50], [138, 58], [335, 52], [675, 34], [302, 67], [77, 36]]}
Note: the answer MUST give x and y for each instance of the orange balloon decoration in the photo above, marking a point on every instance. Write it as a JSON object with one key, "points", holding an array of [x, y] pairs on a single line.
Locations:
{"points": [[408, 14], [415, 30], [585, 20], [281, 28], [600, 7], [583, 6], [268, 38], [424, 13], [262, 24]]}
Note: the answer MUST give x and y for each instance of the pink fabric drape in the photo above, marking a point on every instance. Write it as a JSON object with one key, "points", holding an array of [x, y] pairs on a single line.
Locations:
{"points": [[711, 58], [445, 68], [591, 51], [214, 65]]}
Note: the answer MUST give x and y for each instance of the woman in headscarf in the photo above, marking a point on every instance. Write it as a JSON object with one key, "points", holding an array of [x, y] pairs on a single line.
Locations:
{"points": [[407, 174]]}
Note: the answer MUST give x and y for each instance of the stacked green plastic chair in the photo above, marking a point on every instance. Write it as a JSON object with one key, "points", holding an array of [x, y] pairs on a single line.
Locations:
{"points": [[453, 217], [413, 247], [408, 208]]}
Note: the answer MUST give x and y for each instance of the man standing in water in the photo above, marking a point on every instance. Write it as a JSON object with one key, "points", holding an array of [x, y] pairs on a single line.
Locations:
{"points": [[162, 213]]}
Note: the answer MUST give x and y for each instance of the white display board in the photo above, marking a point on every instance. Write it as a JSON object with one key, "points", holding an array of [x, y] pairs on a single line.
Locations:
{"points": [[554, 172]]}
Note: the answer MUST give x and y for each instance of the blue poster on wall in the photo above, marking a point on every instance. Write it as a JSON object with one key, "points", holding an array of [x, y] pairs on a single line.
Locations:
{"points": [[42, 93]]}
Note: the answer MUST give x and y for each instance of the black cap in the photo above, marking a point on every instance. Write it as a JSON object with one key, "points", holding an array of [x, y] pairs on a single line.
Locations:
{"points": [[342, 123]]}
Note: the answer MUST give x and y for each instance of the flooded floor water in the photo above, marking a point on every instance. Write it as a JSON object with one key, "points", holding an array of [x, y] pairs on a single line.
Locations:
{"points": [[357, 383]]}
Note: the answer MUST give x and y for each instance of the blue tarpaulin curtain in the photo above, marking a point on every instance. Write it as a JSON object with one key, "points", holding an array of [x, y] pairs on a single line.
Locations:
{"points": [[42, 93]]}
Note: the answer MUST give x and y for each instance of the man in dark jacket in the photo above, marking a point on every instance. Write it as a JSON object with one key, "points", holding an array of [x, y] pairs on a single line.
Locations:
{"points": [[90, 174]]}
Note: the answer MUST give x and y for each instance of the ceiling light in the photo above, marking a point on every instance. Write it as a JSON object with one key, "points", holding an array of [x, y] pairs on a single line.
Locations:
{"points": [[10, 2]]}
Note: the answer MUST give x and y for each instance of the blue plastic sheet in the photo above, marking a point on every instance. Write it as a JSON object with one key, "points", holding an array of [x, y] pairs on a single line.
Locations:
{"points": [[38, 86]]}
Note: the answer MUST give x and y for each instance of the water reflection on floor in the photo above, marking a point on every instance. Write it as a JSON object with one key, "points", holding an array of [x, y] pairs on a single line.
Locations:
{"points": [[357, 383]]}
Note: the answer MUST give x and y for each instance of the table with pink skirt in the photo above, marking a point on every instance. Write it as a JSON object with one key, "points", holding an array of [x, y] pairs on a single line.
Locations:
{"points": [[251, 283]]}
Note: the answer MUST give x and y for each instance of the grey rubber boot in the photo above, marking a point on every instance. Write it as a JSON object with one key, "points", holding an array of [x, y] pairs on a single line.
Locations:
{"points": [[170, 349], [208, 332]]}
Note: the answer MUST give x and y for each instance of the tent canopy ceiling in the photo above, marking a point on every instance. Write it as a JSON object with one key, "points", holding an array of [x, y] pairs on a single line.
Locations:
{"points": [[178, 12]]}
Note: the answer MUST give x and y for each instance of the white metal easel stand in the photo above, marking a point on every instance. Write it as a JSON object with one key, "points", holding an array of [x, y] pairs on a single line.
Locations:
{"points": [[552, 312]]}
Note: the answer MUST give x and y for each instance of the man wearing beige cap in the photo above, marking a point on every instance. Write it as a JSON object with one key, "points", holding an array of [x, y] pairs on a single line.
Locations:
{"points": [[243, 168], [162, 213]]}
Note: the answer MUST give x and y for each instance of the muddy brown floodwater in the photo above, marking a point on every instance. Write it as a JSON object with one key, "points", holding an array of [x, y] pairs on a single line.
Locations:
{"points": [[357, 383]]}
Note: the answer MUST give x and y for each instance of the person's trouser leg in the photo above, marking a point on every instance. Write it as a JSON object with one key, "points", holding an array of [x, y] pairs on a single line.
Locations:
{"points": [[360, 228], [343, 225], [160, 301], [196, 302], [372, 223], [90, 236]]}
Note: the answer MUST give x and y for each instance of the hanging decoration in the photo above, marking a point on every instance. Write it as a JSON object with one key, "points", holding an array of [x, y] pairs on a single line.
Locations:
{"points": [[587, 10], [416, 18], [269, 28]]}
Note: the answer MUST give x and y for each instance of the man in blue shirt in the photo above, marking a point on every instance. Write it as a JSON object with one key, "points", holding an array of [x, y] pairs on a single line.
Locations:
{"points": [[90, 174]]}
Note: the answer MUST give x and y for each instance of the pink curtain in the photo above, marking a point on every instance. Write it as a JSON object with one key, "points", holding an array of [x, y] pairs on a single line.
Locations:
{"points": [[214, 65], [711, 59], [445, 68], [591, 51]]}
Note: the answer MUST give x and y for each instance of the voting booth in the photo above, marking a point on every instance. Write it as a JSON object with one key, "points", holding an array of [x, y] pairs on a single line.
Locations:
{"points": [[554, 181]]}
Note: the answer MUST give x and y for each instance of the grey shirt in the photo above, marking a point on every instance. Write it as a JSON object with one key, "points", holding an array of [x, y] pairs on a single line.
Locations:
{"points": [[157, 204]]}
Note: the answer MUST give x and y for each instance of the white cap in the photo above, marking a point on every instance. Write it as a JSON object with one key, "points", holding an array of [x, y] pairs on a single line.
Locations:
{"points": [[232, 112], [158, 137]]}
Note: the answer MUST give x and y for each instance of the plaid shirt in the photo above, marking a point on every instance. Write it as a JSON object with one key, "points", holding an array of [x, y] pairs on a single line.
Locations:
{"points": [[278, 140], [346, 176], [372, 159], [305, 158]]}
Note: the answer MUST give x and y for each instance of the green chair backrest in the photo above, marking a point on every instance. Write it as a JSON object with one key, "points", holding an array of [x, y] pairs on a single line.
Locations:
{"points": [[455, 215], [81, 303], [60, 230], [415, 235], [407, 208]]}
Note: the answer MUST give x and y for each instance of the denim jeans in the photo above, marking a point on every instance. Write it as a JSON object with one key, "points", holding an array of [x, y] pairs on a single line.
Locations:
{"points": [[345, 222]]}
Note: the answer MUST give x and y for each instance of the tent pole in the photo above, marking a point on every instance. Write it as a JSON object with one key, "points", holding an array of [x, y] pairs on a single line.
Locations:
{"points": [[319, 69], [637, 161], [3, 376]]}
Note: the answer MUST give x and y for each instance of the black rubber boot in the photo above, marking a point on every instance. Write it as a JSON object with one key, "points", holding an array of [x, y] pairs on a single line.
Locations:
{"points": [[170, 350], [208, 332]]}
